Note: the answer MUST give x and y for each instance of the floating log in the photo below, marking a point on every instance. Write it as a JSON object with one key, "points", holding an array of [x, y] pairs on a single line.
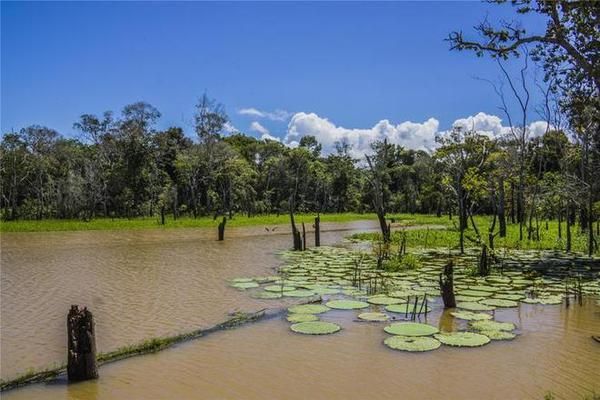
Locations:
{"points": [[447, 285], [81, 353], [222, 228]]}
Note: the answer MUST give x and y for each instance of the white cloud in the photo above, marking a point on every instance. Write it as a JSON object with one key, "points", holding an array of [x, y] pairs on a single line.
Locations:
{"points": [[277, 115], [228, 128], [408, 134], [257, 127], [491, 125]]}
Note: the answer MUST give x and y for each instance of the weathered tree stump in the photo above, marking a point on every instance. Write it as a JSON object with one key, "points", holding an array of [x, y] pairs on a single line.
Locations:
{"points": [[303, 237], [317, 231], [484, 262], [222, 229], [447, 285], [81, 346]]}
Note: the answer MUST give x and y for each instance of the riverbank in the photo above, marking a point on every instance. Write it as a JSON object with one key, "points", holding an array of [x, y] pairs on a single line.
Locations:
{"points": [[52, 225]]}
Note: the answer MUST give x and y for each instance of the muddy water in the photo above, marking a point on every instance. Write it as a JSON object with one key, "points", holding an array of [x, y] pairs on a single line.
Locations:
{"points": [[139, 284], [266, 360], [143, 284]]}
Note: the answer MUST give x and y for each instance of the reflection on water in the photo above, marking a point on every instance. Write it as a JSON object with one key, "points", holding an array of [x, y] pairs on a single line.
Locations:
{"points": [[139, 284], [267, 361]]}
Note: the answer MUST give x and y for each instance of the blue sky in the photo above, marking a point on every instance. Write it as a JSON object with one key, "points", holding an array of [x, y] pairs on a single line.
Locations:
{"points": [[351, 64]]}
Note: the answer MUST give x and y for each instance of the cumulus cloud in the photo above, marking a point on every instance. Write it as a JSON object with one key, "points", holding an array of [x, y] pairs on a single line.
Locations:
{"points": [[409, 134], [228, 128], [264, 132], [277, 115]]}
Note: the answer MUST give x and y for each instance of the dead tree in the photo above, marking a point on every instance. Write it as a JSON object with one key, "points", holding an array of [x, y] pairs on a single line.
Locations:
{"points": [[317, 231], [222, 228], [81, 346], [447, 285]]}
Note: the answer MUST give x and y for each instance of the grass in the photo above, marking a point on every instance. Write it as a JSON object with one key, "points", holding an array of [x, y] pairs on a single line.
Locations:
{"points": [[449, 237], [48, 225]]}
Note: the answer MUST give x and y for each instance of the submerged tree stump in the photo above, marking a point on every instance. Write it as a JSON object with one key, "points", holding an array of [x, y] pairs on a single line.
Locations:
{"points": [[222, 229], [317, 231], [81, 346], [447, 285]]}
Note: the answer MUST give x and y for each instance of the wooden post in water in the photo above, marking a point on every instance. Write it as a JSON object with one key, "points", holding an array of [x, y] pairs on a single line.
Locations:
{"points": [[81, 346], [447, 285], [317, 231], [222, 228]]}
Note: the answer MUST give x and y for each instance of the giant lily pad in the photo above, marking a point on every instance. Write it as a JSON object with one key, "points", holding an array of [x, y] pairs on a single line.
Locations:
{"points": [[309, 309], [471, 316], [500, 303], [244, 285], [498, 335], [492, 326], [384, 300], [474, 306], [346, 304], [298, 317], [315, 328], [373, 316], [410, 329], [462, 339], [279, 288], [408, 343], [407, 308], [299, 293], [266, 295]]}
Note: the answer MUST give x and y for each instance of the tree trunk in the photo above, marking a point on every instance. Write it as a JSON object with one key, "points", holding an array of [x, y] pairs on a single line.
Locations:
{"points": [[222, 229], [568, 221], [303, 237], [447, 285], [317, 231], [81, 356], [501, 212]]}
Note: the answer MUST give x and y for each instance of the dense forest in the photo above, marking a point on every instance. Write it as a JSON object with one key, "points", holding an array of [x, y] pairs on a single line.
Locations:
{"points": [[122, 166]]}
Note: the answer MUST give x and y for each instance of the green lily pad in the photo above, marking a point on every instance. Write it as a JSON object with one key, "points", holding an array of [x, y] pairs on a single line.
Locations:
{"points": [[500, 303], [299, 293], [346, 304], [471, 316], [297, 317], [407, 308], [498, 335], [309, 309], [242, 280], [325, 290], [475, 293], [279, 288], [384, 300], [410, 329], [492, 326], [462, 339], [460, 297], [315, 328], [373, 316], [244, 285], [407, 343], [474, 306], [266, 295]]}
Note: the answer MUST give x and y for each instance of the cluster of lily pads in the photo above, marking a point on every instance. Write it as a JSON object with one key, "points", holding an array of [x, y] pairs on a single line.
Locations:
{"points": [[349, 280]]}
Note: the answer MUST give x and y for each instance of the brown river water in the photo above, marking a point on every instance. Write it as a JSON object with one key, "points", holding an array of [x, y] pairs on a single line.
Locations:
{"points": [[141, 284]]}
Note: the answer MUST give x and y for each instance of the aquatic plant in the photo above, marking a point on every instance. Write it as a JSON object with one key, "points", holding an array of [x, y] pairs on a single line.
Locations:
{"points": [[471, 316], [346, 304], [462, 339], [315, 328], [298, 317], [492, 326], [373, 316], [410, 329], [309, 309], [410, 343]]}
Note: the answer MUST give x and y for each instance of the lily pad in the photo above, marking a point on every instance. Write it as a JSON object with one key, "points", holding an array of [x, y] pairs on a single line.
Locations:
{"points": [[492, 326], [315, 328], [373, 316], [298, 317], [346, 304], [309, 309], [474, 306], [498, 335], [407, 308], [299, 293], [407, 343], [266, 295], [500, 303], [462, 339], [384, 300], [471, 316], [279, 288], [410, 329], [244, 285]]}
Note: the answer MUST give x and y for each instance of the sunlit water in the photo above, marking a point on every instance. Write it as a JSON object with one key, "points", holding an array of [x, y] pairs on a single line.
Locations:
{"points": [[156, 283]]}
